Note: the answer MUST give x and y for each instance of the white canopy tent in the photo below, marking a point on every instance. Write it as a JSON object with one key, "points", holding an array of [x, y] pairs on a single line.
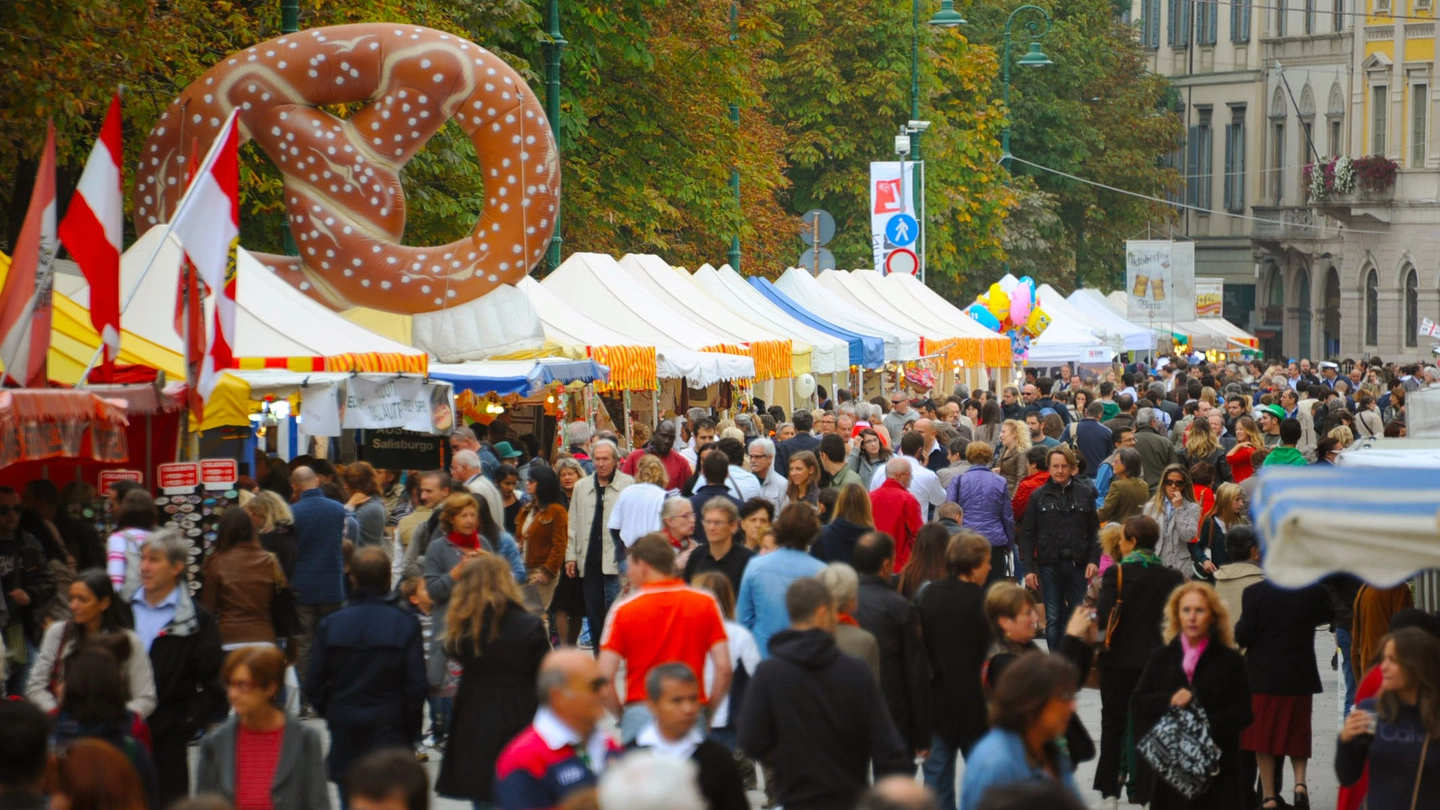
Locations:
{"points": [[900, 344], [660, 278], [569, 327], [828, 354], [595, 285], [272, 318], [1096, 308]]}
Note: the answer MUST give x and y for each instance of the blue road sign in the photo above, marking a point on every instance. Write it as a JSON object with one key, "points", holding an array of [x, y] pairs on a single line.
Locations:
{"points": [[902, 230]]}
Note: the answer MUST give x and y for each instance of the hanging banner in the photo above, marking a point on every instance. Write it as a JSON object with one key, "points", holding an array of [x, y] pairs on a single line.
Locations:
{"points": [[1209, 297], [374, 402], [1160, 277], [893, 221], [320, 409], [1429, 328]]}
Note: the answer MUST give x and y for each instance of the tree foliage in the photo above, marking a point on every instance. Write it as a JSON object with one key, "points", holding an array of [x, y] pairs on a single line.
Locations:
{"points": [[647, 142]]}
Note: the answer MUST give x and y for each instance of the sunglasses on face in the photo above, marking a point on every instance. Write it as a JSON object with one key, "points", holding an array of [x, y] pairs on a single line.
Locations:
{"points": [[1173, 483]]}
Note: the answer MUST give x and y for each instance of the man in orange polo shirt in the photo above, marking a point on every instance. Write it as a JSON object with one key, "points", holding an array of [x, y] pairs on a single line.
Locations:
{"points": [[662, 620]]}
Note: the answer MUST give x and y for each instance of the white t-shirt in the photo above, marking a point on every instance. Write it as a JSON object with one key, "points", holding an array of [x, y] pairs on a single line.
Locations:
{"points": [[636, 512], [480, 485], [742, 484], [743, 652]]}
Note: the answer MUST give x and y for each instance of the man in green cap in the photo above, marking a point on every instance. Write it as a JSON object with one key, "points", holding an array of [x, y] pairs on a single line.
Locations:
{"points": [[1270, 418]]}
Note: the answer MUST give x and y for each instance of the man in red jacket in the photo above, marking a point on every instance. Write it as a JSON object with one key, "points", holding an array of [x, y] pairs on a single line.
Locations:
{"points": [[896, 511]]}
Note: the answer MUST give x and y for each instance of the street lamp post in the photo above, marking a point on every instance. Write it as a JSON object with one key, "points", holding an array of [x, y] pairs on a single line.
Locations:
{"points": [[553, 49], [946, 17], [1035, 28]]}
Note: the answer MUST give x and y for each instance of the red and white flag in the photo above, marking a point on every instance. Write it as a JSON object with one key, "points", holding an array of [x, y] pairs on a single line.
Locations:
{"points": [[207, 223], [93, 230], [25, 300]]}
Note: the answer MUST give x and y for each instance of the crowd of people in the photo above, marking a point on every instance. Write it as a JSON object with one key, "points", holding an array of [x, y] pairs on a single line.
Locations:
{"points": [[791, 604]]}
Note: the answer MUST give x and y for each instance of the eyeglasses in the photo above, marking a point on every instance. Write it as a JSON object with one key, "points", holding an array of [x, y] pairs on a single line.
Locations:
{"points": [[717, 523], [757, 456], [1173, 482], [687, 515]]}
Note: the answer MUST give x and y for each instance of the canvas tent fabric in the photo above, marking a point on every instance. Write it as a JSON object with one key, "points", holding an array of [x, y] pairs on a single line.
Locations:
{"points": [[958, 340], [525, 378], [911, 295], [1203, 333], [499, 322], [866, 350], [725, 287], [1096, 308], [633, 366], [275, 325], [594, 285], [776, 356], [1378, 524], [900, 344]]}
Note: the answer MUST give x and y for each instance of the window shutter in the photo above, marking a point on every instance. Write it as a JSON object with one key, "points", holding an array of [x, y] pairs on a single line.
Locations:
{"points": [[1154, 15], [1246, 13], [1170, 24], [1214, 16]]}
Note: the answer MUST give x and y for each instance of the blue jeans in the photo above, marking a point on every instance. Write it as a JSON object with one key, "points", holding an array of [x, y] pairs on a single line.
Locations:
{"points": [[939, 771], [440, 717], [1342, 640], [1063, 584]]}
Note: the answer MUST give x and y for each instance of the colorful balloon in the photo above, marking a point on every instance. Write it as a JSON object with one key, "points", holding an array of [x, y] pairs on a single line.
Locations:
{"points": [[1038, 322], [999, 302], [983, 316], [1021, 299]]}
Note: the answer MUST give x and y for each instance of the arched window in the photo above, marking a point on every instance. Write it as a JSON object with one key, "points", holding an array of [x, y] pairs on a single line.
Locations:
{"points": [[1372, 309], [1412, 308]]}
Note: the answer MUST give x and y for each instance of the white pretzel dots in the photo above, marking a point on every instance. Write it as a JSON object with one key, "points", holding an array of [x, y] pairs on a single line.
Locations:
{"points": [[343, 198]]}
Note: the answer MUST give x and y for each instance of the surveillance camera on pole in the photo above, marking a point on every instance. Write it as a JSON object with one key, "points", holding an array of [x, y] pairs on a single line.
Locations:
{"points": [[902, 145], [917, 126]]}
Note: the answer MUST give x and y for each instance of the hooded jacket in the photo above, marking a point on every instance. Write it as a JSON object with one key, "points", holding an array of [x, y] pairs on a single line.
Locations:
{"points": [[1286, 456], [837, 541], [792, 716]]}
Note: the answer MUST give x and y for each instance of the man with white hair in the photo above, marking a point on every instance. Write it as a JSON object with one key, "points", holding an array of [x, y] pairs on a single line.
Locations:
{"points": [[896, 512], [577, 440], [761, 454], [465, 468], [590, 551], [1156, 451]]}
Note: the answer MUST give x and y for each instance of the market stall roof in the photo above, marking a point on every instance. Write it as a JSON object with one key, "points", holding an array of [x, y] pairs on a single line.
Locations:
{"points": [[828, 353], [1119, 302], [594, 285], [1375, 523], [1058, 308], [523, 377], [900, 344], [1203, 333], [958, 337], [776, 356], [44, 423], [912, 294], [1238, 337], [276, 325], [632, 365], [866, 350], [1096, 308]]}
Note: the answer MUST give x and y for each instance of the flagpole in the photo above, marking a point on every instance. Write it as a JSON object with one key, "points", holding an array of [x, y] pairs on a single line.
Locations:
{"points": [[155, 254]]}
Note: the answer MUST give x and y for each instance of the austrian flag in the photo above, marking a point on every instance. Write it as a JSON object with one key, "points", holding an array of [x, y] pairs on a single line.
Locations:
{"points": [[207, 223], [94, 226]]}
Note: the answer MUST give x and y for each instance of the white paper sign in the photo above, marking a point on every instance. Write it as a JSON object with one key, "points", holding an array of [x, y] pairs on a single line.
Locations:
{"points": [[401, 403], [320, 409]]}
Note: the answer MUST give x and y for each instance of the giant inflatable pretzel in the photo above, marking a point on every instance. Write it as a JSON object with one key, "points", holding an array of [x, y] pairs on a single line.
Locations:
{"points": [[343, 198]]}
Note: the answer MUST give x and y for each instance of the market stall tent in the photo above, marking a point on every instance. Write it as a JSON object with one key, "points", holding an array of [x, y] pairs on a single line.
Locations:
{"points": [[776, 356], [958, 339], [1096, 308], [725, 288], [866, 350], [525, 378], [1376, 523], [632, 365], [594, 285], [900, 344]]}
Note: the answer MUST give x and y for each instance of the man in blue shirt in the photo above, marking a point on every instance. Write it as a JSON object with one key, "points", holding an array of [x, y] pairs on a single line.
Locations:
{"points": [[183, 643], [319, 561]]}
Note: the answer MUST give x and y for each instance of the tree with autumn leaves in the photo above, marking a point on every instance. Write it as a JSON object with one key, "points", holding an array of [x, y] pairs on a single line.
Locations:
{"points": [[646, 138]]}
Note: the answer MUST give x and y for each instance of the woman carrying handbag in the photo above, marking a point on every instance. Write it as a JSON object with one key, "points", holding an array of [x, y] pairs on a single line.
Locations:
{"points": [[1198, 664]]}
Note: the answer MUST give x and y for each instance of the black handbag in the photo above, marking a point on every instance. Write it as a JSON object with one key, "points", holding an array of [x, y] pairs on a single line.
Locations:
{"points": [[1181, 750], [284, 607]]}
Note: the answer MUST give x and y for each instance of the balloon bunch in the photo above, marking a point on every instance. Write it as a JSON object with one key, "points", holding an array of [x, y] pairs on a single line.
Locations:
{"points": [[1013, 312]]}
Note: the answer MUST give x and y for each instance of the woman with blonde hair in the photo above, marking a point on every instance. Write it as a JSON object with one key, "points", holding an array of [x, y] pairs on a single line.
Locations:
{"points": [[1175, 509], [852, 519], [1341, 434], [1202, 446], [276, 526], [1014, 444], [1209, 551], [1198, 663], [470, 532], [498, 645], [1248, 439]]}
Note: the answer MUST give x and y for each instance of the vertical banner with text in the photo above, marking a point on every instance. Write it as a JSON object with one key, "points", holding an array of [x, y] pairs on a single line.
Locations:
{"points": [[893, 222]]}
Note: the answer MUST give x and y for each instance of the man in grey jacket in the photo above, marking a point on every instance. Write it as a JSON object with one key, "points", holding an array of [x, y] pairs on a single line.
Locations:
{"points": [[590, 553], [1156, 451]]}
